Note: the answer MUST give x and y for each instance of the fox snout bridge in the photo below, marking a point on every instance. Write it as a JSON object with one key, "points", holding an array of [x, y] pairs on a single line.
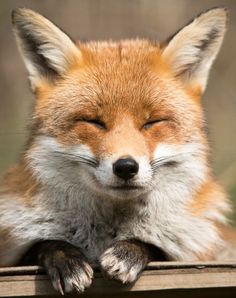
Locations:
{"points": [[125, 168]]}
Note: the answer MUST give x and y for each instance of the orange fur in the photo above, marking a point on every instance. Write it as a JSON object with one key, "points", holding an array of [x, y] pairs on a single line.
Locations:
{"points": [[209, 194], [133, 63], [138, 62], [127, 86], [20, 182]]}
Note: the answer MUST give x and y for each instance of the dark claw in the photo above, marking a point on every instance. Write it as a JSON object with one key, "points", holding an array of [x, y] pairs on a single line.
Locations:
{"points": [[65, 264], [56, 279], [59, 286]]}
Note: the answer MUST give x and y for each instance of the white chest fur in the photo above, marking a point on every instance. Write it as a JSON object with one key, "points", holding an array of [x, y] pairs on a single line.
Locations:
{"points": [[93, 223]]}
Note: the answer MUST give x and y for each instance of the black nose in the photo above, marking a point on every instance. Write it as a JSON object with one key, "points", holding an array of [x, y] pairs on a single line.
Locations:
{"points": [[125, 168]]}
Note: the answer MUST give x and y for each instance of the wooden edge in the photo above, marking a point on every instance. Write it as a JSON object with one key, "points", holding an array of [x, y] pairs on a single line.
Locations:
{"points": [[22, 270], [30, 281]]}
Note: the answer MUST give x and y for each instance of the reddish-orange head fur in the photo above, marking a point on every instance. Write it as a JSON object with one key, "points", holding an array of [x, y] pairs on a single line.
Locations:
{"points": [[113, 100], [125, 87]]}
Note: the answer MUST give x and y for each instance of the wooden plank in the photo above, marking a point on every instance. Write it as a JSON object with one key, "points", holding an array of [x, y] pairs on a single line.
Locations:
{"points": [[19, 270], [176, 293], [30, 281]]}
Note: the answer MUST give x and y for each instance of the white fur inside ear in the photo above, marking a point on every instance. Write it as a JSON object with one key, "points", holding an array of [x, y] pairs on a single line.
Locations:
{"points": [[193, 49], [43, 46]]}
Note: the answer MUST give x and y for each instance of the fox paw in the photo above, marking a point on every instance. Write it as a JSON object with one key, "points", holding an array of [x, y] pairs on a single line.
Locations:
{"points": [[124, 261], [67, 268]]}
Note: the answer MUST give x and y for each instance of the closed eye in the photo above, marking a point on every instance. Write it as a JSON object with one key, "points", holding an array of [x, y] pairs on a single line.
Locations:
{"points": [[151, 123], [95, 122]]}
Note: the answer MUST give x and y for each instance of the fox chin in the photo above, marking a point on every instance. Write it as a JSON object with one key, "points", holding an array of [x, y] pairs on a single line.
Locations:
{"points": [[116, 170]]}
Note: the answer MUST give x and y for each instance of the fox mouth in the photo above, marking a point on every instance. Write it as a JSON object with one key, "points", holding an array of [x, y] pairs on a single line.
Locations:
{"points": [[125, 187]]}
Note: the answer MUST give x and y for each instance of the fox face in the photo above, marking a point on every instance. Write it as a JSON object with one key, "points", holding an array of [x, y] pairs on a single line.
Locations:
{"points": [[118, 118]]}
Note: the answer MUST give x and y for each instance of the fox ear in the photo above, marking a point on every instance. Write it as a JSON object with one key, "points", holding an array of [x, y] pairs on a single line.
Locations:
{"points": [[46, 50], [192, 50]]}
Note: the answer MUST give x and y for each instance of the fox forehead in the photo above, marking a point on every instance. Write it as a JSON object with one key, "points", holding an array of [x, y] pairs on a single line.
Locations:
{"points": [[132, 53], [116, 78], [115, 68], [125, 85]]}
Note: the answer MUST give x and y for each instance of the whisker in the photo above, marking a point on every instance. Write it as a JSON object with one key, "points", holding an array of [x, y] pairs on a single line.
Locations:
{"points": [[156, 163], [78, 158], [166, 163]]}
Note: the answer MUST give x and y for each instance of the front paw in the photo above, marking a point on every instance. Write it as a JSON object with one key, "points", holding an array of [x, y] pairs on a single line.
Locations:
{"points": [[66, 267], [124, 260]]}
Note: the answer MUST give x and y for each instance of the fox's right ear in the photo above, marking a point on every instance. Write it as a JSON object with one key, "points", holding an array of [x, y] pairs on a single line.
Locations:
{"points": [[46, 50]]}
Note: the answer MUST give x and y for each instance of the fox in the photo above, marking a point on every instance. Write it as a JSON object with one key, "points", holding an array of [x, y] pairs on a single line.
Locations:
{"points": [[116, 172]]}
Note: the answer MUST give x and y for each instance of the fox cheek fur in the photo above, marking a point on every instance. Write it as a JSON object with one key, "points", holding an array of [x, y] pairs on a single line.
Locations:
{"points": [[116, 171]]}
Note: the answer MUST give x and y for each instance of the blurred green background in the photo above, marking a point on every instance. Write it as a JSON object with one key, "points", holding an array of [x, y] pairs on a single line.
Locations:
{"points": [[115, 19]]}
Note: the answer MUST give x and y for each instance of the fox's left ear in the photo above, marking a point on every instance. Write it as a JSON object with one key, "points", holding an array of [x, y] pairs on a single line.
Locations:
{"points": [[192, 50]]}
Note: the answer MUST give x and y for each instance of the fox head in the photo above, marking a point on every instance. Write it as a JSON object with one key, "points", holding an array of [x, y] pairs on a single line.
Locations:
{"points": [[119, 118]]}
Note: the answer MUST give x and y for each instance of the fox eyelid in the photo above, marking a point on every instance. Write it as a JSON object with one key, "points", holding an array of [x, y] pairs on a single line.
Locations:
{"points": [[151, 123], [99, 124], [96, 122]]}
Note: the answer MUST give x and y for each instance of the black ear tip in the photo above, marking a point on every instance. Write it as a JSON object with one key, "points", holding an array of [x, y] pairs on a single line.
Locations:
{"points": [[13, 15], [19, 13], [223, 10], [16, 12], [226, 11], [220, 10]]}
